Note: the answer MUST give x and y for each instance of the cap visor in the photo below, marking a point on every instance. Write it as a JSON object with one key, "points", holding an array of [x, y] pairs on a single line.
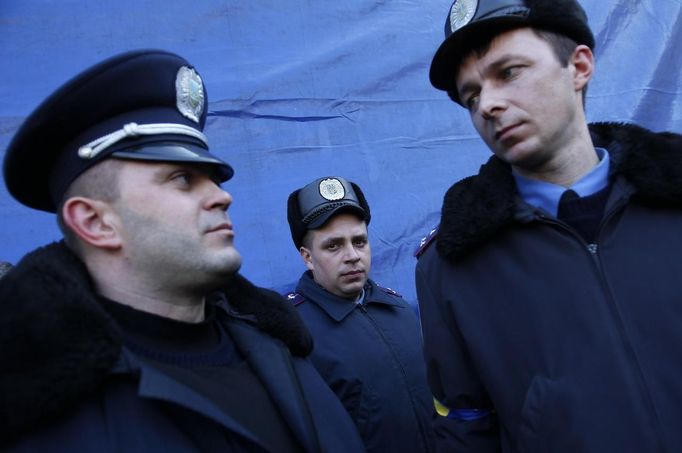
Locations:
{"points": [[176, 152], [323, 218]]}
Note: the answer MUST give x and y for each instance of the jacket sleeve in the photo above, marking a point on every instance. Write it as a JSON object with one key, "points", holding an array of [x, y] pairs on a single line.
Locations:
{"points": [[465, 420]]}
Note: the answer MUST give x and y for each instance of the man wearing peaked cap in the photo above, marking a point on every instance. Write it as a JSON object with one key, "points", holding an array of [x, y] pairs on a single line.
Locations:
{"points": [[367, 339], [147, 105], [136, 333], [550, 294]]}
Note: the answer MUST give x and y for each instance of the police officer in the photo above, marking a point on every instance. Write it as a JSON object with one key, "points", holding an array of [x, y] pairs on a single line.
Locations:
{"points": [[367, 339], [550, 302], [135, 333]]}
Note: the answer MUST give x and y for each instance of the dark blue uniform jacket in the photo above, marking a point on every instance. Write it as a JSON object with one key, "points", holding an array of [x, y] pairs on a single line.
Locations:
{"points": [[537, 341], [371, 356], [69, 384]]}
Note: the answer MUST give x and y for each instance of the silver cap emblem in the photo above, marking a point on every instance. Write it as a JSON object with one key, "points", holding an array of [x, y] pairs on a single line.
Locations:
{"points": [[461, 13], [331, 189], [189, 91]]}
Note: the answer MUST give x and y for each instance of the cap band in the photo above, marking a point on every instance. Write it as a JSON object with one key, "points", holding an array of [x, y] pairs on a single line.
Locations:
{"points": [[96, 146], [314, 214]]}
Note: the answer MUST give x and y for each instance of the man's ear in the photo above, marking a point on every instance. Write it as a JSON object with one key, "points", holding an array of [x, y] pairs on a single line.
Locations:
{"points": [[92, 221], [307, 258], [583, 62]]}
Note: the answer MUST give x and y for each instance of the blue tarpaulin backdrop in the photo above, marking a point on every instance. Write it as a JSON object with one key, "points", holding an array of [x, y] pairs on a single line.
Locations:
{"points": [[308, 88]]}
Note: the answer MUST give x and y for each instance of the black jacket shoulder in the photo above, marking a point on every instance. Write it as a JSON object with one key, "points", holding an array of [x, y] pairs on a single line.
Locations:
{"points": [[477, 208]]}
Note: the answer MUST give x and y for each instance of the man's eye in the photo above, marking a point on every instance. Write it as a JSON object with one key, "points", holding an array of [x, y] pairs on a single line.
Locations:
{"points": [[360, 243], [510, 72], [182, 177], [471, 102], [332, 247]]}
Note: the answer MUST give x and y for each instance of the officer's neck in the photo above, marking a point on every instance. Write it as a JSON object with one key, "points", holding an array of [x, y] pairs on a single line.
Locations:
{"points": [[159, 304], [150, 292], [161, 300]]}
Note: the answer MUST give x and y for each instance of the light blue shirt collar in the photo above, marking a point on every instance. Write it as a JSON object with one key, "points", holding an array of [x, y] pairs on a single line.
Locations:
{"points": [[546, 195], [361, 298]]}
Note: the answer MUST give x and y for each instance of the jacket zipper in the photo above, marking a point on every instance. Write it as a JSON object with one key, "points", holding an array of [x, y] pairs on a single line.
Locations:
{"points": [[593, 250], [371, 320]]}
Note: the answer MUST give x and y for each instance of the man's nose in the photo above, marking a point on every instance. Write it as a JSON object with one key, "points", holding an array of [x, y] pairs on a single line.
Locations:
{"points": [[491, 102], [218, 198], [352, 255]]}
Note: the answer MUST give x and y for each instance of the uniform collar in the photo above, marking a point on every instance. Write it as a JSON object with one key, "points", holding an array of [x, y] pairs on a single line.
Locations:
{"points": [[337, 307], [479, 207], [546, 195]]}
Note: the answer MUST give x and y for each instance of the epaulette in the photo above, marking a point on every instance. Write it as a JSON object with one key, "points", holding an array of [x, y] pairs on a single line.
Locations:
{"points": [[295, 298], [389, 291], [426, 242]]}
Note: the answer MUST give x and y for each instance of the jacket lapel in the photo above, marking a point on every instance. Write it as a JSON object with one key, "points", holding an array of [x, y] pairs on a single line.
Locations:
{"points": [[272, 363], [155, 384]]}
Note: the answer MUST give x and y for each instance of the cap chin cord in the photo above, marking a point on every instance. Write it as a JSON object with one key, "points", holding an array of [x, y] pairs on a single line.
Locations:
{"points": [[95, 147]]}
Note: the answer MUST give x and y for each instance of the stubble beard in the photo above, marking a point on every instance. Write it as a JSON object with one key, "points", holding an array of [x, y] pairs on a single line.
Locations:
{"points": [[173, 259]]}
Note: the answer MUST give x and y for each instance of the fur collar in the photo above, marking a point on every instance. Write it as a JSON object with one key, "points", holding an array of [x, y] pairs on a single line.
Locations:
{"points": [[478, 207], [58, 344]]}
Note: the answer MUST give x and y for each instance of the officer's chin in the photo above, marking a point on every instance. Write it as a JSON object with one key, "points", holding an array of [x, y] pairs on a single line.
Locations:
{"points": [[233, 261]]}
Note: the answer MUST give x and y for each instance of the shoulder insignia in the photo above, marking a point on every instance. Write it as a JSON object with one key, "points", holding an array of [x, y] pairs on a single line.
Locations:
{"points": [[426, 242], [389, 291], [295, 299]]}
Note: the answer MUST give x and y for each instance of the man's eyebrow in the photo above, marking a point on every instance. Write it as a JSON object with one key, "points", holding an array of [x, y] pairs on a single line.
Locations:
{"points": [[164, 169], [491, 67], [468, 87], [331, 240], [161, 172]]}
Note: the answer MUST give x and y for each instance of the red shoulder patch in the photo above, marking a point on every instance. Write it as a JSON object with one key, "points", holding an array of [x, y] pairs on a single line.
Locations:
{"points": [[389, 291], [426, 242], [295, 299]]}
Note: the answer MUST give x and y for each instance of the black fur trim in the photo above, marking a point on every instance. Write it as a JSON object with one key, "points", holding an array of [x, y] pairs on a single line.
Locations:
{"points": [[58, 344], [275, 316], [651, 161], [479, 207], [362, 201], [298, 228], [476, 208]]}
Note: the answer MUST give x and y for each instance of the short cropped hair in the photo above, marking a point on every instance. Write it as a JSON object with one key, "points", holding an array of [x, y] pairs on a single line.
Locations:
{"points": [[100, 182]]}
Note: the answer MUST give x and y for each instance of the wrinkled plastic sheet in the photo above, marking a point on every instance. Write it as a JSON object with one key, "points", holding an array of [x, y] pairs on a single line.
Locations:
{"points": [[303, 89]]}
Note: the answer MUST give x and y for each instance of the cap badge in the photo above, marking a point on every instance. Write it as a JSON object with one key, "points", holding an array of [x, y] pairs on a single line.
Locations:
{"points": [[189, 91], [461, 13], [331, 189]]}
